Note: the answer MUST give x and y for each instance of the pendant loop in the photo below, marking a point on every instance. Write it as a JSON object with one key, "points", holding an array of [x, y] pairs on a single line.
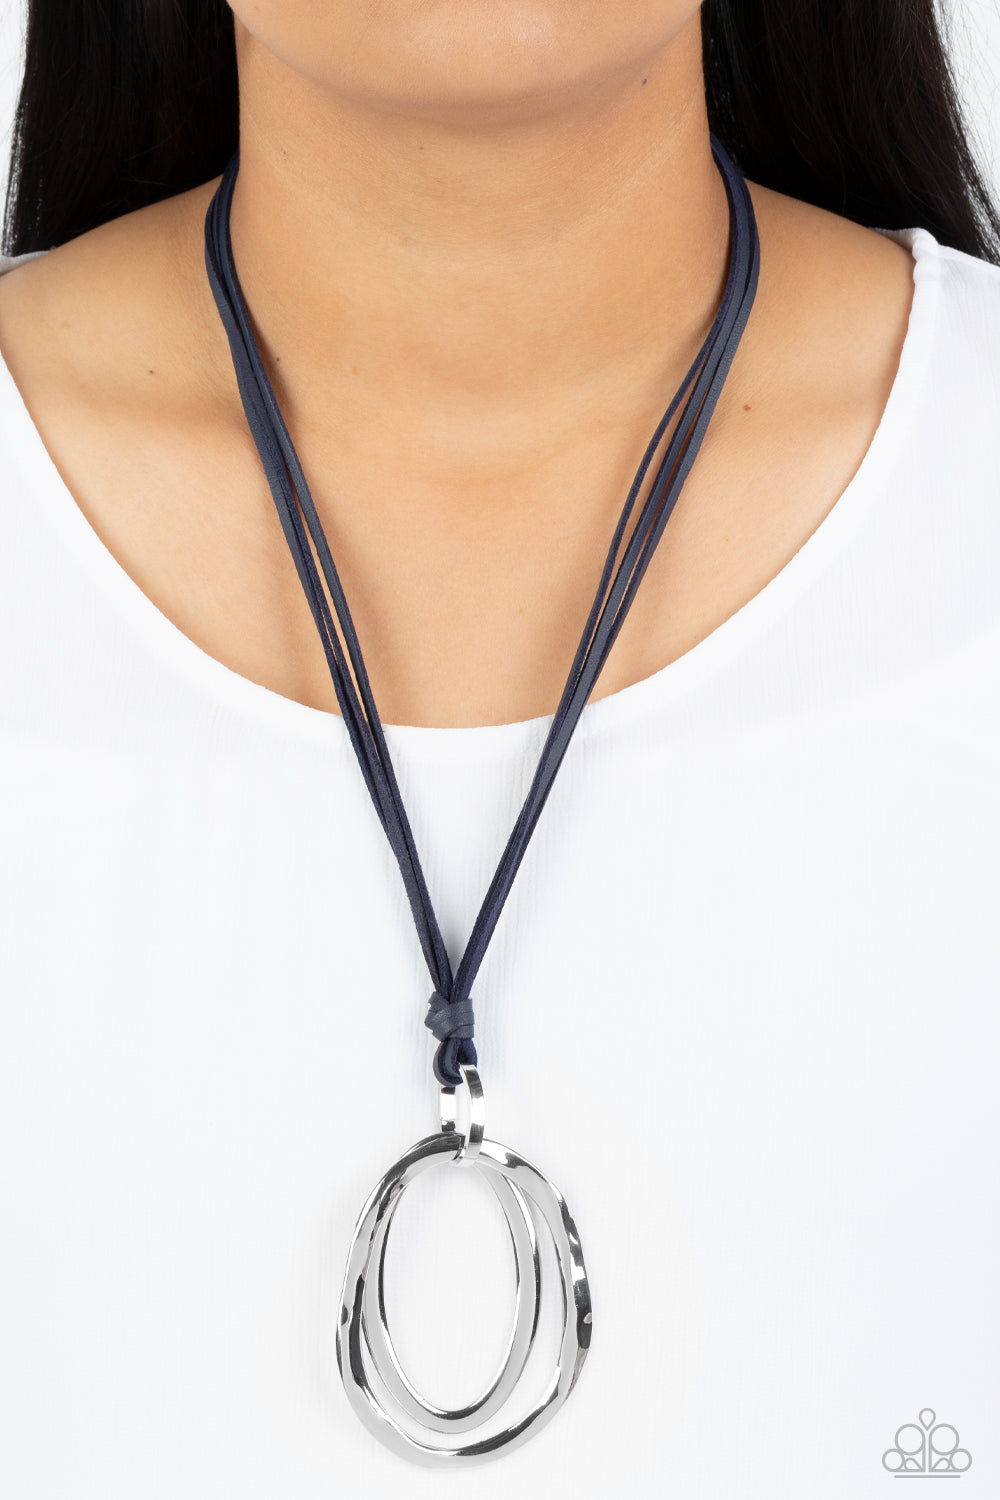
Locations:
{"points": [[472, 1135], [379, 1390]]}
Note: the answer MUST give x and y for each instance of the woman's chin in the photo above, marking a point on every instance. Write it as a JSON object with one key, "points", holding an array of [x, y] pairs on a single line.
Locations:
{"points": [[464, 64]]}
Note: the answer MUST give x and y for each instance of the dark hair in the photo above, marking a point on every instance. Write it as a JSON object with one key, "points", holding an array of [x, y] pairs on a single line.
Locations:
{"points": [[850, 105]]}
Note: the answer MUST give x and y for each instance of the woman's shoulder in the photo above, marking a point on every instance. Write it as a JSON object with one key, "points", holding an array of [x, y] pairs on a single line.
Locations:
{"points": [[89, 312], [93, 314], [845, 286]]}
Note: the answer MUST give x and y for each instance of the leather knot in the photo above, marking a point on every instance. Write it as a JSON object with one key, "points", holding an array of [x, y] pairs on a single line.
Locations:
{"points": [[446, 1018], [453, 1024]]}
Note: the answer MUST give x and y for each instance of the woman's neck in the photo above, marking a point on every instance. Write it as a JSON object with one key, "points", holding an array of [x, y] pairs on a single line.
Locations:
{"points": [[497, 270]]}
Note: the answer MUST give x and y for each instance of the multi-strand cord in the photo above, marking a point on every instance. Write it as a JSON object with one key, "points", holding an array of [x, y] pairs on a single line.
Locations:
{"points": [[450, 1015]]}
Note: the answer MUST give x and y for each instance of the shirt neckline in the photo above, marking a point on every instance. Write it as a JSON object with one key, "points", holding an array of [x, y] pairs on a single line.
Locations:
{"points": [[287, 716]]}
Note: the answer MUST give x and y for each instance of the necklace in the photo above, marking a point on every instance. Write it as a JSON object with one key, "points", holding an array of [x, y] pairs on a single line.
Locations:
{"points": [[376, 1385]]}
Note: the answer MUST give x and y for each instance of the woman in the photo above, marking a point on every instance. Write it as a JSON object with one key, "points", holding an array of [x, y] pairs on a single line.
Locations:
{"points": [[741, 1001]]}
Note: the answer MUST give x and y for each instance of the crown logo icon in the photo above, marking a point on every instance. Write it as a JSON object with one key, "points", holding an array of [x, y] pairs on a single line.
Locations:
{"points": [[926, 1451]]}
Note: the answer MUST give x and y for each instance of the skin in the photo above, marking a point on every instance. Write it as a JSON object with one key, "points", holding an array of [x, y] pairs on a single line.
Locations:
{"points": [[481, 245]]}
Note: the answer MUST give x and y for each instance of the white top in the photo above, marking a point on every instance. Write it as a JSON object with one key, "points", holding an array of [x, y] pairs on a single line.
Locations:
{"points": [[743, 1008]]}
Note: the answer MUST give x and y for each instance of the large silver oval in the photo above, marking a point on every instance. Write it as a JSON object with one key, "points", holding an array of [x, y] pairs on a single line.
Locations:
{"points": [[377, 1388]]}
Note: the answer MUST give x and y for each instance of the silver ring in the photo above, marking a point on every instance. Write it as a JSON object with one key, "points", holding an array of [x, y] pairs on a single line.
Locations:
{"points": [[472, 1135]]}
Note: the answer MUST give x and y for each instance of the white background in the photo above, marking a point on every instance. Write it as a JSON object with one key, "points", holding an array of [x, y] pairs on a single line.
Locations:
{"points": [[974, 27]]}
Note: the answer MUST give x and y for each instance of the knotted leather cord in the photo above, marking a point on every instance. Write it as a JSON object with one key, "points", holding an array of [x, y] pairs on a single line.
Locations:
{"points": [[450, 1015]]}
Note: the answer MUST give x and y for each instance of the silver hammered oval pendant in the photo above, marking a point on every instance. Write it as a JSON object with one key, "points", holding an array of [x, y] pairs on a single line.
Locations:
{"points": [[378, 1389]]}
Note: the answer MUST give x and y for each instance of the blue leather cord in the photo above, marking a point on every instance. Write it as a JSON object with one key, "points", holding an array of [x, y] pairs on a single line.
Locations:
{"points": [[450, 1016]]}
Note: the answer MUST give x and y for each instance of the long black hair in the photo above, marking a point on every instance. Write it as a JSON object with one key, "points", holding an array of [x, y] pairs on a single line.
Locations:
{"points": [[848, 104]]}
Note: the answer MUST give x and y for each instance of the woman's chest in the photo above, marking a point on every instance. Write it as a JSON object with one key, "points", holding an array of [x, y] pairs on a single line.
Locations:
{"points": [[747, 1028], [469, 577]]}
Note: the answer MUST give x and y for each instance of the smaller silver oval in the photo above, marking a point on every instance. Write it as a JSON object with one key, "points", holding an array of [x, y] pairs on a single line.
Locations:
{"points": [[527, 1299]]}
